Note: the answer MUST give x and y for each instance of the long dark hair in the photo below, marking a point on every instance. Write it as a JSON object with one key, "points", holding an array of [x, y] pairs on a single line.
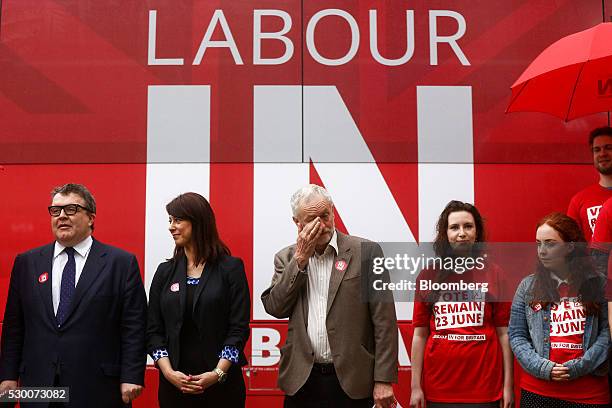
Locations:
{"points": [[544, 288], [207, 246], [442, 247]]}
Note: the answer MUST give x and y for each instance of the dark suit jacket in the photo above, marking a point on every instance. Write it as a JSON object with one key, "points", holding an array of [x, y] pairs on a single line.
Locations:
{"points": [[362, 335], [221, 308], [101, 343]]}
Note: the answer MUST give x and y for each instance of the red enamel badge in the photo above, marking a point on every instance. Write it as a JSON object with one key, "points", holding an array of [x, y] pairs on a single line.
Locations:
{"points": [[43, 277], [341, 265]]}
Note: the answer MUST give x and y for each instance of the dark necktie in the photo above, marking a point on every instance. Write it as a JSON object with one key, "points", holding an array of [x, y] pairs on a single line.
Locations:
{"points": [[67, 289]]}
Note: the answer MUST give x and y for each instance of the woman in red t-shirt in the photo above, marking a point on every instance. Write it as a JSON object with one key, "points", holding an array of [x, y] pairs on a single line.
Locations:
{"points": [[558, 324], [460, 349]]}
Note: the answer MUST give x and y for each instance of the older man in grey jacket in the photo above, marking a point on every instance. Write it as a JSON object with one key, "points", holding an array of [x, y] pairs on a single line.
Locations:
{"points": [[341, 348]]}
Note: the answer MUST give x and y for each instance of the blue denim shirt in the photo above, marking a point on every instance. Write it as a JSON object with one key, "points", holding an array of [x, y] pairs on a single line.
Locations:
{"points": [[529, 333]]}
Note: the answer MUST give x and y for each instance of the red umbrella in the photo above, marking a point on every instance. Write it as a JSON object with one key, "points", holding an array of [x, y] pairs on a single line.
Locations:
{"points": [[569, 79]]}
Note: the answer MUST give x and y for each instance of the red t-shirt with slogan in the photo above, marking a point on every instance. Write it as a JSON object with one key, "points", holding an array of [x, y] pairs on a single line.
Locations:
{"points": [[602, 236], [602, 241], [567, 322], [463, 360], [585, 205]]}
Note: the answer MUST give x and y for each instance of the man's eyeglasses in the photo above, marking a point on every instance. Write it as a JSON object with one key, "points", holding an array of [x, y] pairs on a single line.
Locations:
{"points": [[69, 209]]}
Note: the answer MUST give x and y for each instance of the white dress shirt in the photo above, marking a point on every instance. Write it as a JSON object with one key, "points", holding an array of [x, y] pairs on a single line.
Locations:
{"points": [[60, 258], [559, 280], [319, 273]]}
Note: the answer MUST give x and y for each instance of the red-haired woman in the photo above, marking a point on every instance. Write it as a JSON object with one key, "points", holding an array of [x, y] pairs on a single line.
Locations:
{"points": [[460, 350], [558, 323]]}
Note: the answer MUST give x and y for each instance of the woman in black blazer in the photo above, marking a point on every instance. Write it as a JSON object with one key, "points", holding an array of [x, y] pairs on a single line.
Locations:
{"points": [[199, 310]]}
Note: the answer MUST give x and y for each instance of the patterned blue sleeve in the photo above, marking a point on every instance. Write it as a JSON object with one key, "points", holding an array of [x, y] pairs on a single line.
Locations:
{"points": [[159, 353], [229, 353]]}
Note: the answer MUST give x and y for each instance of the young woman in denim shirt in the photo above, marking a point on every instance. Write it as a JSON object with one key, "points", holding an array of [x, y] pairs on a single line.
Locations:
{"points": [[558, 323]]}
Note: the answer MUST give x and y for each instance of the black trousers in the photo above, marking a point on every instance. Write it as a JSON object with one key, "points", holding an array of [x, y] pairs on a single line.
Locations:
{"points": [[57, 383], [322, 390], [231, 394], [532, 400]]}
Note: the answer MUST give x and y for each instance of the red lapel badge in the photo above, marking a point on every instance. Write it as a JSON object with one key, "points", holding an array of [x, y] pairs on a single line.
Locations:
{"points": [[341, 265], [174, 287], [43, 277]]}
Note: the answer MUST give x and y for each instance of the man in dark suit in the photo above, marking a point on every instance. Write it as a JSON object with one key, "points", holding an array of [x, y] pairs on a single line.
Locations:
{"points": [[76, 311], [341, 349]]}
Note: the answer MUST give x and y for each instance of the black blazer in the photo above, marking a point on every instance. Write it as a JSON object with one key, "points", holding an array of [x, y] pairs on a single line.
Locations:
{"points": [[221, 309], [102, 342]]}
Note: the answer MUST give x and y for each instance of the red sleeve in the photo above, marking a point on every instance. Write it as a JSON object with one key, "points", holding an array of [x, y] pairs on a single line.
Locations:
{"points": [[501, 313], [421, 314], [601, 236], [500, 304]]}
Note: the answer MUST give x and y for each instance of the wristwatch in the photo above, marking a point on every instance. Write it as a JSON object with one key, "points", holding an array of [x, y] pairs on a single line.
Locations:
{"points": [[222, 375]]}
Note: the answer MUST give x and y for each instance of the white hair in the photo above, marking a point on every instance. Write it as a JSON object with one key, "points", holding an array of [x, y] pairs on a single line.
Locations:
{"points": [[305, 193]]}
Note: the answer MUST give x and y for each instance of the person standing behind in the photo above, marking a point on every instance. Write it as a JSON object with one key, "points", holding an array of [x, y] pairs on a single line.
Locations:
{"points": [[76, 312], [341, 350], [199, 310], [585, 205]]}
